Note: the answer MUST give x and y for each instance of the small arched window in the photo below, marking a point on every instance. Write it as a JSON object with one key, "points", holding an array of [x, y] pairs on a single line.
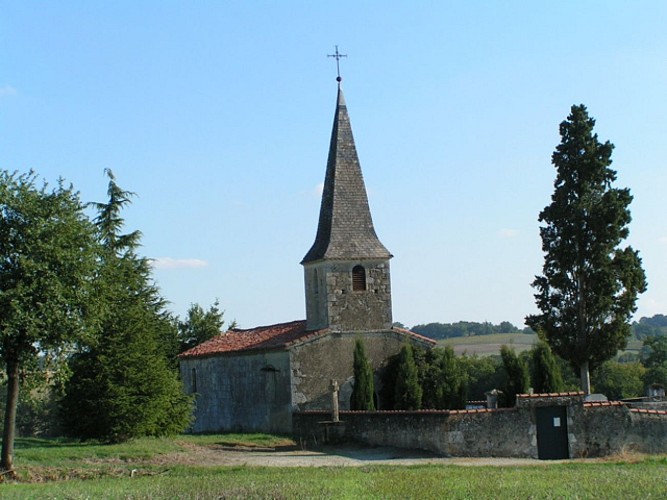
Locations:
{"points": [[316, 282], [358, 279]]}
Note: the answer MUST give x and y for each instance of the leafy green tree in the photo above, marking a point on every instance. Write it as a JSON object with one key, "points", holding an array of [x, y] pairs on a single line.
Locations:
{"points": [[653, 356], [47, 256], [407, 392], [656, 376], [363, 392], [518, 379], [589, 285], [483, 374], [122, 384], [442, 378], [654, 351], [200, 326], [619, 380], [546, 373]]}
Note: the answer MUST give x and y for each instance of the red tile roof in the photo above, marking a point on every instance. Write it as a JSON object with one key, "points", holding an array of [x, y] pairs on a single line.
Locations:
{"points": [[414, 335], [598, 404], [280, 336], [262, 337], [648, 412]]}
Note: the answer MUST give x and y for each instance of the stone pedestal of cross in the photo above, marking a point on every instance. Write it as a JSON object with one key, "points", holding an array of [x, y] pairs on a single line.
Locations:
{"points": [[335, 417]]}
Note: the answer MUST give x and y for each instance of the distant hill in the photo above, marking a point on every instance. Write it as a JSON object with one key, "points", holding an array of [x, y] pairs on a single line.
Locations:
{"points": [[485, 345], [439, 331], [646, 327], [654, 326]]}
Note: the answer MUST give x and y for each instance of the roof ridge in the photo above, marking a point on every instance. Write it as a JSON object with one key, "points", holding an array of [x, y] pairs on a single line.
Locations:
{"points": [[264, 326]]}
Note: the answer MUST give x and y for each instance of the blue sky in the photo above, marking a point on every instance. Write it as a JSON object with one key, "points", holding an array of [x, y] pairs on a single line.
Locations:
{"points": [[218, 115]]}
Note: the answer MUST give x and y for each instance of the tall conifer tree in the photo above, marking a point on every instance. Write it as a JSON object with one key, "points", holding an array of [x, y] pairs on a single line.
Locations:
{"points": [[122, 385], [518, 378], [407, 392], [546, 375], [363, 393], [589, 285]]}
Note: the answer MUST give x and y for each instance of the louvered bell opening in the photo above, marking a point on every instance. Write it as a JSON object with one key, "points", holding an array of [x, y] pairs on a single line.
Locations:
{"points": [[358, 279]]}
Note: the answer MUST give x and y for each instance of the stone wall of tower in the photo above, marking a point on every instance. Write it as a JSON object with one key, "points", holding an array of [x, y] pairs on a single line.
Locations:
{"points": [[316, 296], [332, 302]]}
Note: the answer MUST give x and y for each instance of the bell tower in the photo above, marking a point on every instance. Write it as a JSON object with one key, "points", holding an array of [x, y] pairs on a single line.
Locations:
{"points": [[346, 271]]}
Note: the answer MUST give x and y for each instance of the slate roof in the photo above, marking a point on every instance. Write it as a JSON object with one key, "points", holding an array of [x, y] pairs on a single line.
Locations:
{"points": [[271, 337], [345, 230]]}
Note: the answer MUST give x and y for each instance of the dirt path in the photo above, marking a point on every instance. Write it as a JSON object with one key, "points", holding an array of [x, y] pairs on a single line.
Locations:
{"points": [[348, 456]]}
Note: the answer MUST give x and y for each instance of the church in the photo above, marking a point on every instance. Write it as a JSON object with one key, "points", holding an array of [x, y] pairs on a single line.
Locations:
{"points": [[255, 379]]}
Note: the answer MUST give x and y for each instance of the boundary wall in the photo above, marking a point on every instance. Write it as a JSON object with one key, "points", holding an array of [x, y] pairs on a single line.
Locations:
{"points": [[593, 429]]}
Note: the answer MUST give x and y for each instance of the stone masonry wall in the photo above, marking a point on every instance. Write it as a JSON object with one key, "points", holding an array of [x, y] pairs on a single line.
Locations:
{"points": [[315, 363], [472, 433], [647, 432], [240, 393], [594, 429], [359, 310], [331, 302]]}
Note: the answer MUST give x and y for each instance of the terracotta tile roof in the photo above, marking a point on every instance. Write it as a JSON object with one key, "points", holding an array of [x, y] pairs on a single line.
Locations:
{"points": [[276, 336], [648, 412], [596, 404], [279, 336], [422, 338]]}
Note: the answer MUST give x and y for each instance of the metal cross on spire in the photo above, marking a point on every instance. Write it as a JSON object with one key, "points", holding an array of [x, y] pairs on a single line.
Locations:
{"points": [[337, 56]]}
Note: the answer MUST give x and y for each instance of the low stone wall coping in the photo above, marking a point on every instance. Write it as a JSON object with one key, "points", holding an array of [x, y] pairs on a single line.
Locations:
{"points": [[597, 404], [551, 395], [648, 412], [408, 412]]}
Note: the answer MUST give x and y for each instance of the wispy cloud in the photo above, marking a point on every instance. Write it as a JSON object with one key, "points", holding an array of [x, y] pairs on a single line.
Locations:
{"points": [[319, 189], [7, 90], [663, 240], [171, 263], [508, 233]]}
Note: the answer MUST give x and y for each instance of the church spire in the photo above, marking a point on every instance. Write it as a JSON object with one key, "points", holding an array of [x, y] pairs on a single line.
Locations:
{"points": [[345, 230]]}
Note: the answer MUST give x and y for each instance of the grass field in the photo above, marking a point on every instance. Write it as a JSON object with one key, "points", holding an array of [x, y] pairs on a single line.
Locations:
{"points": [[484, 345], [64, 469]]}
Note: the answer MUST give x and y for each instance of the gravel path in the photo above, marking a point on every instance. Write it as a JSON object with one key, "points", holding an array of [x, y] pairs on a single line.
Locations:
{"points": [[347, 456]]}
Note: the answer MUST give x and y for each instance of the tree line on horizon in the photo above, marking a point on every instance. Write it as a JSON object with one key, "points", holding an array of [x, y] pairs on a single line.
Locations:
{"points": [[653, 326]]}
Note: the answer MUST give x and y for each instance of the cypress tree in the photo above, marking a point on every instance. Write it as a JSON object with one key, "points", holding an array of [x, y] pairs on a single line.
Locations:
{"points": [[364, 390], [547, 376], [518, 379], [454, 380], [589, 286], [408, 392]]}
